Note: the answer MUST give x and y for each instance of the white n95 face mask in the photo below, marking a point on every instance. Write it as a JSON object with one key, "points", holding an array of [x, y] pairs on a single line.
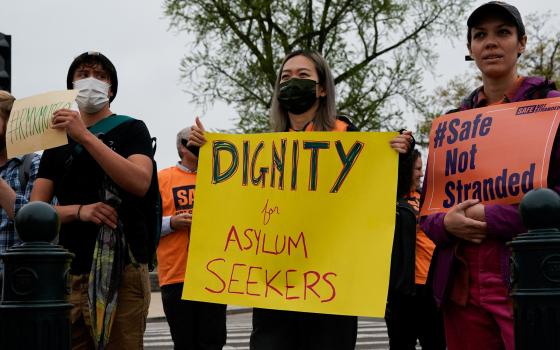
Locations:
{"points": [[93, 94]]}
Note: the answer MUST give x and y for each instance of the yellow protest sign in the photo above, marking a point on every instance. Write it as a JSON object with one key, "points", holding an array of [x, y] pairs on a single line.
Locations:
{"points": [[294, 221], [28, 128]]}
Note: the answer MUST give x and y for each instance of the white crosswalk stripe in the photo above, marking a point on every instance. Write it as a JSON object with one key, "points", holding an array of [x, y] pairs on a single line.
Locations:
{"points": [[372, 335]]}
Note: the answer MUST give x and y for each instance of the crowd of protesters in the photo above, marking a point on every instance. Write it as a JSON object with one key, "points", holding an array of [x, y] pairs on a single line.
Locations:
{"points": [[448, 285]]}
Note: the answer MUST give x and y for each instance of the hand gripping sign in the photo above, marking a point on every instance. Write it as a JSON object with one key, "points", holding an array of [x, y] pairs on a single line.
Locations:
{"points": [[495, 154], [294, 221]]}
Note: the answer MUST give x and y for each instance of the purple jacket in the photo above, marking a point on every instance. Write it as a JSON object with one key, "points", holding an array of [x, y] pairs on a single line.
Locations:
{"points": [[503, 221]]}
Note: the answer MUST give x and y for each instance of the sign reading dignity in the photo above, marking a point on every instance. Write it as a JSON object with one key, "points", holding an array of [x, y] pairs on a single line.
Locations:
{"points": [[29, 127], [294, 221], [495, 154]]}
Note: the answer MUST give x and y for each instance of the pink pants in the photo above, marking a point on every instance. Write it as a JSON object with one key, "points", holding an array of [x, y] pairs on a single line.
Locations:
{"points": [[486, 322]]}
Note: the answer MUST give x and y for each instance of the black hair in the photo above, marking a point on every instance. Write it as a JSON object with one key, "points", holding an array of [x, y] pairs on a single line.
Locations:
{"points": [[92, 58], [326, 113], [406, 172]]}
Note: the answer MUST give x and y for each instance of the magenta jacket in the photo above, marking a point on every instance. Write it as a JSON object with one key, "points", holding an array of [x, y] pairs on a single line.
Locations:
{"points": [[504, 221]]}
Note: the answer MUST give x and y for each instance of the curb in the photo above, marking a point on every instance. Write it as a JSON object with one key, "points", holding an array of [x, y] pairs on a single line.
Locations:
{"points": [[240, 310], [156, 319], [228, 312]]}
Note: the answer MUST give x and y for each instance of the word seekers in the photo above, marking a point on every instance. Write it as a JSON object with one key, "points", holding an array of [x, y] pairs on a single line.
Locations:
{"points": [[259, 281], [258, 177]]}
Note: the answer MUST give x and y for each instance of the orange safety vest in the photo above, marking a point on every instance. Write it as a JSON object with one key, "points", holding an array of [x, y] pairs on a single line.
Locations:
{"points": [[177, 195]]}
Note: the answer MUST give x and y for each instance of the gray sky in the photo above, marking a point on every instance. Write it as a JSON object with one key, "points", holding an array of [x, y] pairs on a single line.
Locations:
{"points": [[47, 35]]}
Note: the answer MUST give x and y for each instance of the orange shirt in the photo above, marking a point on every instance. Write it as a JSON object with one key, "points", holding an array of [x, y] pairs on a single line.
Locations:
{"points": [[339, 125], [424, 246], [177, 195]]}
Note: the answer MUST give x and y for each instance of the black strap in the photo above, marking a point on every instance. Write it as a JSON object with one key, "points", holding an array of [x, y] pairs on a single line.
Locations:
{"points": [[104, 126], [25, 169], [100, 128], [540, 91]]}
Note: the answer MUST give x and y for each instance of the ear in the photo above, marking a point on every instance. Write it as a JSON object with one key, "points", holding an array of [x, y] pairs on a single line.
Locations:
{"points": [[321, 91], [469, 48], [522, 44]]}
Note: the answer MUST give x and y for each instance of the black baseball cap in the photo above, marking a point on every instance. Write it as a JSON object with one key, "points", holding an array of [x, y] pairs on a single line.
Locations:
{"points": [[497, 7], [494, 7], [94, 57]]}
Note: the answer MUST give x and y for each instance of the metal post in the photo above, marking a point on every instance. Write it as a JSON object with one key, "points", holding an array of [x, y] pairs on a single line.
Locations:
{"points": [[535, 273], [34, 308]]}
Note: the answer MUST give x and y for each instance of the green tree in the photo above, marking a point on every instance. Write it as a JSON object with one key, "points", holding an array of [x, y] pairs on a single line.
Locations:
{"points": [[377, 49], [542, 57], [444, 99]]}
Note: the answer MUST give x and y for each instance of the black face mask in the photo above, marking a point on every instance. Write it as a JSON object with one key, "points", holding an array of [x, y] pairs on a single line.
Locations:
{"points": [[297, 95]]}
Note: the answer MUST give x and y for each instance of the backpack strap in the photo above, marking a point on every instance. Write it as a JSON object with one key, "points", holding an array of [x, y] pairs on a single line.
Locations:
{"points": [[104, 126], [25, 169], [107, 124], [153, 194], [540, 91], [468, 102]]}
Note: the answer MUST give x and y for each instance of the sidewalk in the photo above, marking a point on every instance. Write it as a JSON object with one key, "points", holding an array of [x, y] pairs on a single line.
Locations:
{"points": [[155, 313]]}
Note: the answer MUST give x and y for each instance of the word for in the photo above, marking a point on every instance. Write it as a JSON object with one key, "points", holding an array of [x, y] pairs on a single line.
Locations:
{"points": [[268, 212], [501, 186], [461, 131], [258, 281], [257, 240], [257, 177], [31, 121], [535, 109]]}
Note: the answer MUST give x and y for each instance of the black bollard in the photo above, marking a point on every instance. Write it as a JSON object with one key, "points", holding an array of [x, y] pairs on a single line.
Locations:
{"points": [[34, 308], [535, 273]]}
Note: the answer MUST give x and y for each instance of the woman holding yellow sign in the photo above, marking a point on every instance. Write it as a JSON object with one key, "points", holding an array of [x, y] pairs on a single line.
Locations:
{"points": [[304, 100], [471, 264]]}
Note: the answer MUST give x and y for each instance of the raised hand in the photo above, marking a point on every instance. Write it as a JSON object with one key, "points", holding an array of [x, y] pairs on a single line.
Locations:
{"points": [[401, 143], [196, 136]]}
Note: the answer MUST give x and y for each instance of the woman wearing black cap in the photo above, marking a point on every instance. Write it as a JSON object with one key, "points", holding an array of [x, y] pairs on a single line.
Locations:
{"points": [[471, 265]]}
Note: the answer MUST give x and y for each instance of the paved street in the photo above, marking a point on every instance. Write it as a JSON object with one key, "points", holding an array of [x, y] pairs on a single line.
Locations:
{"points": [[372, 334]]}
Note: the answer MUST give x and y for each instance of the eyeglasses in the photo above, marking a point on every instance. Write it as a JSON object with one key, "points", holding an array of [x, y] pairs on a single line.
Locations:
{"points": [[184, 142]]}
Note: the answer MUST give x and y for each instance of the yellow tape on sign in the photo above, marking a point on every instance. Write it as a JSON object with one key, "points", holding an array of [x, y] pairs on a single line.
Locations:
{"points": [[294, 221]]}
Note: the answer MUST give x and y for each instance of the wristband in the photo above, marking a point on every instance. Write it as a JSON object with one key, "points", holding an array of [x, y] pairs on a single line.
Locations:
{"points": [[78, 213]]}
